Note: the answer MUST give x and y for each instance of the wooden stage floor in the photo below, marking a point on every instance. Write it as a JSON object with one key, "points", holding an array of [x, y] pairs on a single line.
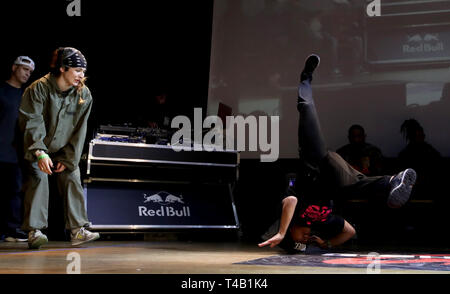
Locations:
{"points": [[159, 257]]}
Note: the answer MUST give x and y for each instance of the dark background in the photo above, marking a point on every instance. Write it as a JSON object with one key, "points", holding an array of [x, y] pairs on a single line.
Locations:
{"points": [[133, 48]]}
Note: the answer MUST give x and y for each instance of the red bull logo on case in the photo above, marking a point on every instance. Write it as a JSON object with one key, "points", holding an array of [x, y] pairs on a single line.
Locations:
{"points": [[164, 199], [429, 42]]}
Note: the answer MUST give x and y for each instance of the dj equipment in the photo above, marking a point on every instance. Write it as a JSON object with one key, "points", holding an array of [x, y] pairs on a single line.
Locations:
{"points": [[118, 130], [133, 134], [135, 186]]}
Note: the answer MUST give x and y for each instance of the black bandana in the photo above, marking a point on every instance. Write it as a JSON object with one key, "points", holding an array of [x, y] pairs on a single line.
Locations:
{"points": [[76, 59]]}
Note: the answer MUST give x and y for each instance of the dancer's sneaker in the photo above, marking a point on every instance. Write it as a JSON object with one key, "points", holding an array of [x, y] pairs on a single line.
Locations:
{"points": [[83, 236], [36, 239], [304, 89], [16, 236], [401, 187], [311, 63]]}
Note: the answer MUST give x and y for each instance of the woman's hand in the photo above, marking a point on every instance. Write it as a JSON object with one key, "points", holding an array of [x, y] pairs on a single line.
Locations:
{"points": [[274, 241], [317, 240], [45, 165], [60, 167]]}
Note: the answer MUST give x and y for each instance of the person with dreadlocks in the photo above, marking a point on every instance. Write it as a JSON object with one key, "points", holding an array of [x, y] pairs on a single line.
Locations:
{"points": [[53, 118], [421, 156], [414, 135]]}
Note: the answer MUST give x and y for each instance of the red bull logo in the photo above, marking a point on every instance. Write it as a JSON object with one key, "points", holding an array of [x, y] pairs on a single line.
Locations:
{"points": [[164, 199], [158, 198], [418, 43], [165, 211]]}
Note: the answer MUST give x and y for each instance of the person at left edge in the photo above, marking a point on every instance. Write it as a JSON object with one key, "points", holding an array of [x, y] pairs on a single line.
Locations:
{"points": [[53, 118], [11, 91]]}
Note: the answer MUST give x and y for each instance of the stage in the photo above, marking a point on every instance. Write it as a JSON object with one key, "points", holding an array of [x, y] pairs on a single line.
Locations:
{"points": [[210, 257]]}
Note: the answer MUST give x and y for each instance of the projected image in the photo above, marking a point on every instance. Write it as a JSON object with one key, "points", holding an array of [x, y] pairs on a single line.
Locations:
{"points": [[374, 71]]}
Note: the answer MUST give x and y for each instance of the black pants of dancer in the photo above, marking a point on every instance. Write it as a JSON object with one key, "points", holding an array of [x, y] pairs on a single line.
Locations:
{"points": [[324, 173]]}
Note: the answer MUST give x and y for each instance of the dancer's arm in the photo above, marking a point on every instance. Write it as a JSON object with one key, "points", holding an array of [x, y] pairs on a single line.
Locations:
{"points": [[347, 232], [289, 204]]}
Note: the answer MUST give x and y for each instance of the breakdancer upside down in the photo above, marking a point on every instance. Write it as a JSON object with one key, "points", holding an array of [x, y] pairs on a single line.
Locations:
{"points": [[307, 210]]}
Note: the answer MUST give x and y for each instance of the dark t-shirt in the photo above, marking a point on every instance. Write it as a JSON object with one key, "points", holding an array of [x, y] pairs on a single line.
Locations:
{"points": [[9, 111], [317, 214]]}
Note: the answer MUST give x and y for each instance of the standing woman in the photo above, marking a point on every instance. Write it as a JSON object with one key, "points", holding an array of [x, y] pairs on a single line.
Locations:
{"points": [[53, 118]]}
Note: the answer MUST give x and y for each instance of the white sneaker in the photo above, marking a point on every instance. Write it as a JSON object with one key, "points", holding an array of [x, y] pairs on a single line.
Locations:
{"points": [[13, 239], [36, 239], [17, 236], [83, 236], [401, 188]]}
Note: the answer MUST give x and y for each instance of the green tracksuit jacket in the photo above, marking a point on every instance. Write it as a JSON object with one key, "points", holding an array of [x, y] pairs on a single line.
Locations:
{"points": [[54, 122]]}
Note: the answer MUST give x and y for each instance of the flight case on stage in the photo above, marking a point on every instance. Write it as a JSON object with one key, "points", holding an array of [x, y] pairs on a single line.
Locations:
{"points": [[137, 186]]}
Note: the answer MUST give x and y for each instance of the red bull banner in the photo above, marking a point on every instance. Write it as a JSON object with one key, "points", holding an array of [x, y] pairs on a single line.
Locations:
{"points": [[409, 45], [116, 205]]}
